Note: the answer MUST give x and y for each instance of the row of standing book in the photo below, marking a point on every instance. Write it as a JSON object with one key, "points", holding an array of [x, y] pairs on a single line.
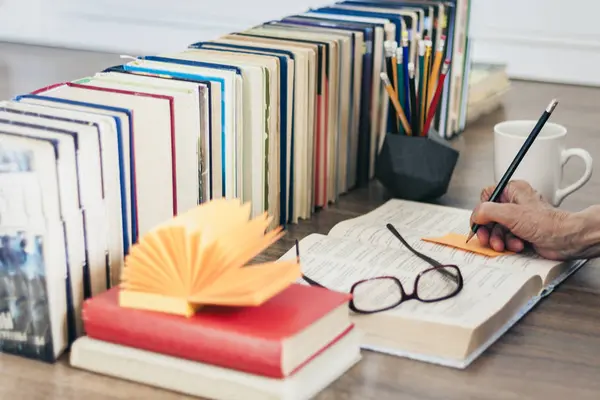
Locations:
{"points": [[288, 116]]}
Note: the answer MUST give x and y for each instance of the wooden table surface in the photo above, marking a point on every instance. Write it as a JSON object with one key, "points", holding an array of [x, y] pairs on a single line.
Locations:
{"points": [[552, 353]]}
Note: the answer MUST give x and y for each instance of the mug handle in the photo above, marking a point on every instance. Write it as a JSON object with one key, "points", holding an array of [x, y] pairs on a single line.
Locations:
{"points": [[561, 194]]}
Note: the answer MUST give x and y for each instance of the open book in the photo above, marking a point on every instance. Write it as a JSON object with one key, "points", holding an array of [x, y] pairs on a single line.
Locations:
{"points": [[497, 291]]}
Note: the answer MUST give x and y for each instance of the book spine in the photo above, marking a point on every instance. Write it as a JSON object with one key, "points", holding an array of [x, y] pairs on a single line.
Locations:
{"points": [[166, 334]]}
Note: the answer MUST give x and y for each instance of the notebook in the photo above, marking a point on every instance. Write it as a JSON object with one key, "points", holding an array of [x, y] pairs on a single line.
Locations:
{"points": [[497, 291]]}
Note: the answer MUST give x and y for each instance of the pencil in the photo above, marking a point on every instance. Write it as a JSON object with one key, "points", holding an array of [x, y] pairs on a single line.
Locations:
{"points": [[424, 98], [406, 60], [388, 56], [400, 79], [435, 69], [388, 47], [394, 98], [414, 107], [517, 160], [421, 82], [436, 98], [395, 77]]}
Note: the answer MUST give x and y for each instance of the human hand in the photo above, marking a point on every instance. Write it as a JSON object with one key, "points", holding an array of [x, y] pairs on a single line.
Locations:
{"points": [[520, 218]]}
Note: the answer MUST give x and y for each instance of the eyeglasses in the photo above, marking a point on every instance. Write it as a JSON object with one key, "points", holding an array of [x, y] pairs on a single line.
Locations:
{"points": [[373, 295]]}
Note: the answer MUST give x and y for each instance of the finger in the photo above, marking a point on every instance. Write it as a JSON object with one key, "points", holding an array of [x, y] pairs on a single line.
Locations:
{"points": [[497, 238], [483, 235], [521, 192], [513, 243], [506, 214], [486, 193]]}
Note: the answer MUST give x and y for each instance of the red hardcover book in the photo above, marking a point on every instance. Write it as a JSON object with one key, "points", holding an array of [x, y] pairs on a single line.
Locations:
{"points": [[275, 339]]}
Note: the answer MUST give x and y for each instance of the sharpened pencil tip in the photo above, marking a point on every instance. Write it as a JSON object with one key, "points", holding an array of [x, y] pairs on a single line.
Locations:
{"points": [[471, 234], [552, 106]]}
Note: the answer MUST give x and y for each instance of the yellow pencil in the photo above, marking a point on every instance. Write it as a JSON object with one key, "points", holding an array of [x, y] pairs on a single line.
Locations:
{"points": [[424, 102], [435, 70], [394, 98]]}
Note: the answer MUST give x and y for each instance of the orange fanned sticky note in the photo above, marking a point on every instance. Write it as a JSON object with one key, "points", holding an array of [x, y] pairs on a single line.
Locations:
{"points": [[458, 241], [200, 258]]}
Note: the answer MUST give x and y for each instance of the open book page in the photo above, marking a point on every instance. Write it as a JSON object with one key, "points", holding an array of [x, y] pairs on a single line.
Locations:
{"points": [[338, 263], [415, 221]]}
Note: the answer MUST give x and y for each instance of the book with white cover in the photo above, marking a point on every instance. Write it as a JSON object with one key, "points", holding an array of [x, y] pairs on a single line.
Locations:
{"points": [[153, 180], [36, 314], [119, 121], [187, 126], [69, 200], [230, 110], [91, 195], [212, 382], [111, 164]]}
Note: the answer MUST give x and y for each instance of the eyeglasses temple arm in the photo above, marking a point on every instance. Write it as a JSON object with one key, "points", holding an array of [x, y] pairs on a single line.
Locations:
{"points": [[422, 256], [306, 278]]}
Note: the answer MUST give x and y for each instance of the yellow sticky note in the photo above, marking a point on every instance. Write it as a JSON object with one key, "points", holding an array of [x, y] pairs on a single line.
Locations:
{"points": [[459, 242]]}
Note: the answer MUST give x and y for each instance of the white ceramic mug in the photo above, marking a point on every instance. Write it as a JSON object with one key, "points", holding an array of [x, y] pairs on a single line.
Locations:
{"points": [[542, 166]]}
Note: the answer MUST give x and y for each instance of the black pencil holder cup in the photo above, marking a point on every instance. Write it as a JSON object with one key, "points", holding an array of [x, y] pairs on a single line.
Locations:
{"points": [[415, 168]]}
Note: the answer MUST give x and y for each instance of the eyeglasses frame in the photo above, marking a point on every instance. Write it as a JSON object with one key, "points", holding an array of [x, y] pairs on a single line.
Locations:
{"points": [[436, 266]]}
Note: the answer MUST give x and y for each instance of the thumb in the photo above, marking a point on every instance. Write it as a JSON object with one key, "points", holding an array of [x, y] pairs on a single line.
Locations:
{"points": [[505, 214]]}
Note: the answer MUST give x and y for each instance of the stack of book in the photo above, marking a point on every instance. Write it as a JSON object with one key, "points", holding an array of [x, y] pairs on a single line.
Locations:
{"points": [[286, 116], [291, 347]]}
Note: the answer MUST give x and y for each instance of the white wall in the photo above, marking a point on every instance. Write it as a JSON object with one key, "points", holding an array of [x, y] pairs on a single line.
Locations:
{"points": [[134, 26], [552, 40]]}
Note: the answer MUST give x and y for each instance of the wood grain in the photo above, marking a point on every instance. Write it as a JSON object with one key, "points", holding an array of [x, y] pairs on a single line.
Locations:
{"points": [[552, 353]]}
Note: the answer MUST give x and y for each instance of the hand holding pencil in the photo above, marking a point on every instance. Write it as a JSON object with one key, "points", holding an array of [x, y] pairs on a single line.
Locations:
{"points": [[495, 196]]}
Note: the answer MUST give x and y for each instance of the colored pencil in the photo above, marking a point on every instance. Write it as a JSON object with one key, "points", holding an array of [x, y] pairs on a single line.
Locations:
{"points": [[395, 77], [406, 61], [421, 82], [436, 98], [400, 79], [394, 98], [414, 107], [425, 97], [435, 69]]}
